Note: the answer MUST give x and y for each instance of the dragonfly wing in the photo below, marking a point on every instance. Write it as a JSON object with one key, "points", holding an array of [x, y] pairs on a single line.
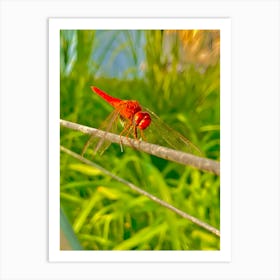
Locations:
{"points": [[101, 144], [160, 133], [109, 125]]}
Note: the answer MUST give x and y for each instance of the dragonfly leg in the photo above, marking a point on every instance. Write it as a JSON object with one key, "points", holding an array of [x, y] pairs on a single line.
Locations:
{"points": [[125, 132], [135, 132], [142, 135], [129, 129]]}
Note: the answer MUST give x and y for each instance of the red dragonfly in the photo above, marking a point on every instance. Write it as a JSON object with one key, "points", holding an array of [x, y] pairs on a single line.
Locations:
{"points": [[136, 119]]}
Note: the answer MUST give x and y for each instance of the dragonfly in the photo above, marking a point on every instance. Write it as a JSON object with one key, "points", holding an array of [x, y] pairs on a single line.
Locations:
{"points": [[140, 123]]}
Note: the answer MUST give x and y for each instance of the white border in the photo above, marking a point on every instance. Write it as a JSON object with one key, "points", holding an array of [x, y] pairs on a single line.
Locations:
{"points": [[255, 139], [55, 25]]}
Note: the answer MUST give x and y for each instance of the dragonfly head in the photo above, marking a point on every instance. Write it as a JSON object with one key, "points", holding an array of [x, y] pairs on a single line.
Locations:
{"points": [[142, 119]]}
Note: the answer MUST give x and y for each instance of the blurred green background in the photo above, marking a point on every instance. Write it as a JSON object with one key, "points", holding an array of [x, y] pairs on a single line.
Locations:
{"points": [[176, 74]]}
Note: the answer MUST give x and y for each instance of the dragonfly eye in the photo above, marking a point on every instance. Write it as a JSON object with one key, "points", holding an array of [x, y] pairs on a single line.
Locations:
{"points": [[142, 119]]}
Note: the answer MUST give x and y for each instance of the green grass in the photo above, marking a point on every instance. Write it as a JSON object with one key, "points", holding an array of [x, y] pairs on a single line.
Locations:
{"points": [[105, 214]]}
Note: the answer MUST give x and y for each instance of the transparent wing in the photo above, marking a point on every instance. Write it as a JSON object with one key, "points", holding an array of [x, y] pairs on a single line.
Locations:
{"points": [[100, 144], [160, 133]]}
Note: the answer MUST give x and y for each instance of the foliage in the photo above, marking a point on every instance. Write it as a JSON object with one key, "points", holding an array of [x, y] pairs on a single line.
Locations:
{"points": [[104, 214]]}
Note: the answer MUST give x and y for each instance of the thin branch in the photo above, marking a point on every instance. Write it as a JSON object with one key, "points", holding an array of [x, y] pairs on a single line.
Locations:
{"points": [[159, 151], [142, 192]]}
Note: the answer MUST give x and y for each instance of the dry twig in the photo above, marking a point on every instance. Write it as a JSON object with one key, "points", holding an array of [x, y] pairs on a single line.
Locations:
{"points": [[142, 192], [159, 151]]}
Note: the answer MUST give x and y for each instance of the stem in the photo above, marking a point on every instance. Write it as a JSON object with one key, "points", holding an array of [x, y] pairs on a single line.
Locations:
{"points": [[142, 192], [159, 151]]}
